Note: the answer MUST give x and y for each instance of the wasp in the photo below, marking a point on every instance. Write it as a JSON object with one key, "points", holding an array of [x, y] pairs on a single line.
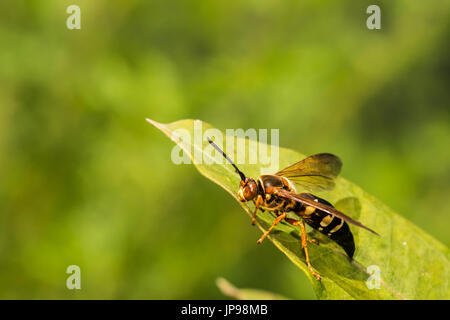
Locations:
{"points": [[277, 193]]}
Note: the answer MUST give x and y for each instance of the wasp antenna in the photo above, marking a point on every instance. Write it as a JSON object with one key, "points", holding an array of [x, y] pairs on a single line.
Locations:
{"points": [[228, 159]]}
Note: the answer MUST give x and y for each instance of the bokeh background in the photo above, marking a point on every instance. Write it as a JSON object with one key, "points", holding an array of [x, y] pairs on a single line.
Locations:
{"points": [[86, 181]]}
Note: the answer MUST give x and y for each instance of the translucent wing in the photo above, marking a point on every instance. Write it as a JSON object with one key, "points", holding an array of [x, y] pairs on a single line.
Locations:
{"points": [[323, 207], [316, 172]]}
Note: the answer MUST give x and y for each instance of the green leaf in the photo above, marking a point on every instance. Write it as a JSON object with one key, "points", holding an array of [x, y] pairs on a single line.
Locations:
{"points": [[246, 294], [412, 264]]}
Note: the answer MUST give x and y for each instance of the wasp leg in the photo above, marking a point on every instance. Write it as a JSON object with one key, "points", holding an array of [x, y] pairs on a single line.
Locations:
{"points": [[258, 202], [293, 221], [278, 219], [297, 223], [305, 248]]}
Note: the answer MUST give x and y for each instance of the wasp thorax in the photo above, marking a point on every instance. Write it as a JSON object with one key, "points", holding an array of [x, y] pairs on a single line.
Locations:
{"points": [[247, 189]]}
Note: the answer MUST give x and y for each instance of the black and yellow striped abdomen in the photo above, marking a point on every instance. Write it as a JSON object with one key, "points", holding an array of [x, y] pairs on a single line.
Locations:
{"points": [[332, 226]]}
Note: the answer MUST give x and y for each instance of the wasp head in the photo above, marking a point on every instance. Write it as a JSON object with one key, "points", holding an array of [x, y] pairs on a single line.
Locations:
{"points": [[247, 190]]}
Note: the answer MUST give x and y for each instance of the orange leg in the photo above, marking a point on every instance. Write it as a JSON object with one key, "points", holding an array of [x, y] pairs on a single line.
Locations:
{"points": [[293, 221], [305, 248], [258, 202], [278, 219], [297, 223]]}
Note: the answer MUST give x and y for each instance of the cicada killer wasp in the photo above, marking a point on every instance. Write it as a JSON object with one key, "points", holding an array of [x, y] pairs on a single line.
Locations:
{"points": [[277, 193]]}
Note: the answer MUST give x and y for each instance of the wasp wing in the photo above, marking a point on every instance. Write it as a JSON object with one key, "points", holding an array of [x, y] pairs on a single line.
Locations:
{"points": [[323, 207], [316, 172]]}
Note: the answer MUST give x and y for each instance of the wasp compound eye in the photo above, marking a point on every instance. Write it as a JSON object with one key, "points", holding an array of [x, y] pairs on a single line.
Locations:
{"points": [[250, 190]]}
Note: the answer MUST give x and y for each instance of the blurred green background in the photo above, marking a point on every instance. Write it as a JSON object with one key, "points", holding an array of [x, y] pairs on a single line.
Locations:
{"points": [[86, 181]]}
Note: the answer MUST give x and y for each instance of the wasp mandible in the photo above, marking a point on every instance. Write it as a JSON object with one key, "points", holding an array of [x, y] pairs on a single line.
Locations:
{"points": [[277, 193]]}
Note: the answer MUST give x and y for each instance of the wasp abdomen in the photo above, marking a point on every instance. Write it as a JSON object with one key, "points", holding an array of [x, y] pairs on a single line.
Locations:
{"points": [[332, 226]]}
